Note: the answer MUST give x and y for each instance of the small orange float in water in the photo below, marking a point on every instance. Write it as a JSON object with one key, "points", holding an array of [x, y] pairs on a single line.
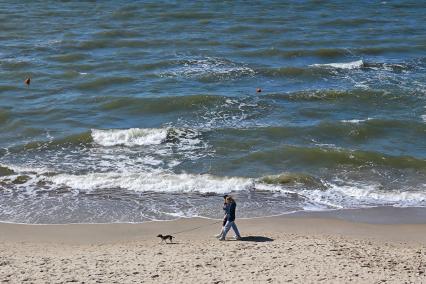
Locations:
{"points": [[28, 81]]}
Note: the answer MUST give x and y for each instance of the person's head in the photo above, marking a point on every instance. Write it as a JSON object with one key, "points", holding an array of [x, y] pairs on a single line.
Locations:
{"points": [[229, 199], [225, 196]]}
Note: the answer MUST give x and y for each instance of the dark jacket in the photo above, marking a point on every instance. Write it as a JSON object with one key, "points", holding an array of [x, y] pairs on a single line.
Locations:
{"points": [[230, 211]]}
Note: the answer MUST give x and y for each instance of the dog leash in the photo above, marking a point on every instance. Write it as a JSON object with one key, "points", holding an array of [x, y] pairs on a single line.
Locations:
{"points": [[196, 228]]}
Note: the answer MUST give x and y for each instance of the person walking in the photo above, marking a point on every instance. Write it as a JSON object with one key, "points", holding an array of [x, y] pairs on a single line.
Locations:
{"points": [[231, 206]]}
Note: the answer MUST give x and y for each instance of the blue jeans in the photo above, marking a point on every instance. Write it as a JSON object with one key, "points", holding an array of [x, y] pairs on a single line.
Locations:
{"points": [[228, 226]]}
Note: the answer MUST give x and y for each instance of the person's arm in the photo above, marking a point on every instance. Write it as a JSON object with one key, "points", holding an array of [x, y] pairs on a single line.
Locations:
{"points": [[225, 219]]}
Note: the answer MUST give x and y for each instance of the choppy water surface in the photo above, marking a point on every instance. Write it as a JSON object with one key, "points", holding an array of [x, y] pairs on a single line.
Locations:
{"points": [[143, 111]]}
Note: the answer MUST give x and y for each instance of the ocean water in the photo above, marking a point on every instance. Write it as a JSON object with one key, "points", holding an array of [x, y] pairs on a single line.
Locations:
{"points": [[144, 111]]}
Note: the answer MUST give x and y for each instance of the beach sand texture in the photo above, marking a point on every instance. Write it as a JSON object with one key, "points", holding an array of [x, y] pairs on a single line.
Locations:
{"points": [[273, 250]]}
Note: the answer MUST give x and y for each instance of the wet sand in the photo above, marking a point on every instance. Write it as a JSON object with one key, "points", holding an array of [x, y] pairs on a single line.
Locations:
{"points": [[280, 249]]}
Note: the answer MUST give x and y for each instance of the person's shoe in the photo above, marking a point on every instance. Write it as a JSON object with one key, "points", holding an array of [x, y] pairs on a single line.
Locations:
{"points": [[218, 236], [237, 238], [221, 239]]}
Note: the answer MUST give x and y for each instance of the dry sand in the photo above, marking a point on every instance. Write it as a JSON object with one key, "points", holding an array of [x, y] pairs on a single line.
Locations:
{"points": [[273, 250]]}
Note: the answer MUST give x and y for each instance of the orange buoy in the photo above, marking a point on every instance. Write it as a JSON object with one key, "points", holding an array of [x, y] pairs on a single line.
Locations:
{"points": [[28, 81]]}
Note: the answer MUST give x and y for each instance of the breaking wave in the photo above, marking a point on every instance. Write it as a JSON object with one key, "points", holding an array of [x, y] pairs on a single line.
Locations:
{"points": [[144, 136], [309, 190], [361, 194], [155, 181], [361, 64], [347, 65], [129, 137]]}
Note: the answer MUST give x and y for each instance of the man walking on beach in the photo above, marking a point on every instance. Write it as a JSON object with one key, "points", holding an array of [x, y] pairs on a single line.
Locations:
{"points": [[231, 206]]}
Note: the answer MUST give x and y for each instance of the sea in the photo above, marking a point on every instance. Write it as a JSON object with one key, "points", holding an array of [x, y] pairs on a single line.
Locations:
{"points": [[153, 110]]}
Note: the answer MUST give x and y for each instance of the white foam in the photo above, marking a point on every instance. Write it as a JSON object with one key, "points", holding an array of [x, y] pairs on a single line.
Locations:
{"points": [[423, 117], [353, 195], [346, 65], [355, 121], [155, 181], [339, 193], [149, 160], [208, 66], [129, 137]]}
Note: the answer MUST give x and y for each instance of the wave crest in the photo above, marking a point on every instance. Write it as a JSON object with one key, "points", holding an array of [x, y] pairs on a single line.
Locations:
{"points": [[129, 137], [346, 65], [144, 136], [155, 181]]}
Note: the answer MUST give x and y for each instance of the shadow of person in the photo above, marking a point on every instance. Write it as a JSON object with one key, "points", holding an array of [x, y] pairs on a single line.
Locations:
{"points": [[258, 239]]}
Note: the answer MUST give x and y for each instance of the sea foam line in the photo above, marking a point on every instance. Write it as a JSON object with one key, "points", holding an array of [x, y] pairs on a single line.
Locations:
{"points": [[154, 181], [345, 65], [356, 121]]}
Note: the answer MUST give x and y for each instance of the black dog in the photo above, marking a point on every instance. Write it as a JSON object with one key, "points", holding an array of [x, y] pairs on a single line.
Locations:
{"points": [[165, 238]]}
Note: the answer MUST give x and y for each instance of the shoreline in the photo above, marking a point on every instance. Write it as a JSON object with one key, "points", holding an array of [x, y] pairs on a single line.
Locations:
{"points": [[369, 215], [382, 223]]}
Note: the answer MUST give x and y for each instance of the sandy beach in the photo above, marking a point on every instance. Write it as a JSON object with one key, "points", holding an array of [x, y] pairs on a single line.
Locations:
{"points": [[296, 249]]}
